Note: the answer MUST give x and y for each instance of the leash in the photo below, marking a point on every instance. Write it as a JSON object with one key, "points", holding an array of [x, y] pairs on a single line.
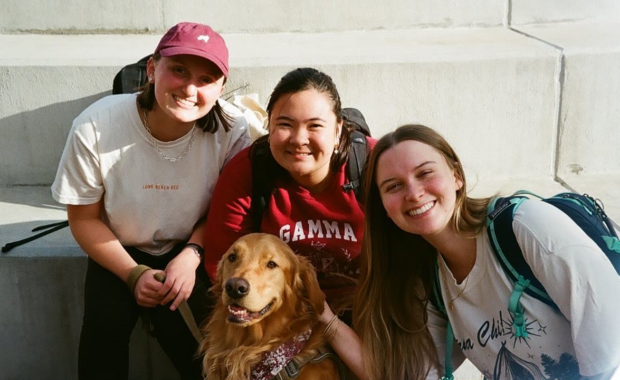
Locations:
{"points": [[186, 313], [49, 227]]}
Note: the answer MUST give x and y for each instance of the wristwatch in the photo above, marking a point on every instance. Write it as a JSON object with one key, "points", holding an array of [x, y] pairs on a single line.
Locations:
{"points": [[198, 250]]}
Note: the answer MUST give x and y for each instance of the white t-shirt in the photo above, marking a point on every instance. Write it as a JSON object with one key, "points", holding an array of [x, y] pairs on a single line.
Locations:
{"points": [[584, 337], [149, 202]]}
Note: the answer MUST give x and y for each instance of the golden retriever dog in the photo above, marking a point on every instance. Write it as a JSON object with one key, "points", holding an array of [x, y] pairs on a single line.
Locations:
{"points": [[268, 308]]}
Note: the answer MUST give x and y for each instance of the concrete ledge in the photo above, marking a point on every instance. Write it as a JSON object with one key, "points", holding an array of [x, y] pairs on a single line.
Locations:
{"points": [[42, 296], [589, 128], [551, 11], [485, 89], [233, 16]]}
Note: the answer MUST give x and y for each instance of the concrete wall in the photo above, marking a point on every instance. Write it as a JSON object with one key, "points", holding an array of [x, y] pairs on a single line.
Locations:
{"points": [[556, 11], [240, 16], [478, 86]]}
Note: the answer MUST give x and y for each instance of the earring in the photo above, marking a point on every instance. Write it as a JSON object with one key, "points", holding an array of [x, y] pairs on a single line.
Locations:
{"points": [[150, 78], [336, 151]]}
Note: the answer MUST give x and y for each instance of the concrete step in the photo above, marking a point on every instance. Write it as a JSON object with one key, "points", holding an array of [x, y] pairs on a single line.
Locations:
{"points": [[589, 118], [525, 12], [233, 16], [491, 91], [42, 286]]}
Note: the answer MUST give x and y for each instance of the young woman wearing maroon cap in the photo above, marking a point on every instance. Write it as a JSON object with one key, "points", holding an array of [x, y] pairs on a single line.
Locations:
{"points": [[137, 176]]}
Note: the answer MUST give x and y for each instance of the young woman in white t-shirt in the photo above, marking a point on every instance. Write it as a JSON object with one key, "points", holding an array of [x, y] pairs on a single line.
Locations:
{"points": [[137, 175], [419, 217]]}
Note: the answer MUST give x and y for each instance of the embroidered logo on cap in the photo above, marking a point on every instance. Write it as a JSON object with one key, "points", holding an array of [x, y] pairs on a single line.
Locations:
{"points": [[203, 38]]}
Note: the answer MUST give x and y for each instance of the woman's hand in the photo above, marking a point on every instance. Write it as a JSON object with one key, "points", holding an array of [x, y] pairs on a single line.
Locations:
{"points": [[180, 278], [147, 288]]}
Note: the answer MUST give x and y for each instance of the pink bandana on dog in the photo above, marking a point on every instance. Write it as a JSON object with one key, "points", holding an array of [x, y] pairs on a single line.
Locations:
{"points": [[273, 362]]}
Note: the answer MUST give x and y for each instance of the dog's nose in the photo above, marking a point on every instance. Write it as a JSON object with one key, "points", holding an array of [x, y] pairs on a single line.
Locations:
{"points": [[237, 287]]}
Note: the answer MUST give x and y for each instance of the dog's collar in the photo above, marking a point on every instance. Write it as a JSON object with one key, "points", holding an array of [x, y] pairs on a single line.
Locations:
{"points": [[272, 362]]}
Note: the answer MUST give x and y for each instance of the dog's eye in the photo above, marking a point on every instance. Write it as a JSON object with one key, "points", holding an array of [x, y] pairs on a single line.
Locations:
{"points": [[232, 257], [271, 265]]}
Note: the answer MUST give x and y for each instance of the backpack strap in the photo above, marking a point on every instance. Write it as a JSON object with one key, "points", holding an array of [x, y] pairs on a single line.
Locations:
{"points": [[500, 216], [506, 248], [355, 164], [261, 189], [589, 215], [436, 300], [448, 369], [358, 152]]}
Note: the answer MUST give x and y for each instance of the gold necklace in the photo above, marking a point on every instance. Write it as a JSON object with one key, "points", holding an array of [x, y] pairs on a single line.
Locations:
{"points": [[471, 266], [154, 142], [451, 303]]}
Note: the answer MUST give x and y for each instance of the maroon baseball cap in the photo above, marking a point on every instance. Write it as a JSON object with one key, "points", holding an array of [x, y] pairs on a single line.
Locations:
{"points": [[195, 39]]}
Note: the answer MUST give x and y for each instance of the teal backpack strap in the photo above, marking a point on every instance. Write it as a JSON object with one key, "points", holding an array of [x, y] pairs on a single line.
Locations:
{"points": [[527, 192], [500, 215], [448, 375], [437, 301], [612, 243], [514, 306], [436, 297]]}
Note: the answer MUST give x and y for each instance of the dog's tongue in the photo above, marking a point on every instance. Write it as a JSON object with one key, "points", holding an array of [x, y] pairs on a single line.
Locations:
{"points": [[236, 308]]}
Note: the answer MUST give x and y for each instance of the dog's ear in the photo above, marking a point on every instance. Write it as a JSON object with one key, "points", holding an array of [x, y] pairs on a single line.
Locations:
{"points": [[217, 284], [309, 286]]}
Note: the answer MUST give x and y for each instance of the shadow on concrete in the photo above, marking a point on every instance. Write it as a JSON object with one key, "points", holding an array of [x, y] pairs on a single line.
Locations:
{"points": [[32, 141], [39, 197]]}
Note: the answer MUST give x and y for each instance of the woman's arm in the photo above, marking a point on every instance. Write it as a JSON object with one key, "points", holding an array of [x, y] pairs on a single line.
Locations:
{"points": [[229, 215], [100, 244], [579, 279], [345, 342]]}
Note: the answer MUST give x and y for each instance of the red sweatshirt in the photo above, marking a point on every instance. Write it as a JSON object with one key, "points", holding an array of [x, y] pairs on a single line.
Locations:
{"points": [[327, 228]]}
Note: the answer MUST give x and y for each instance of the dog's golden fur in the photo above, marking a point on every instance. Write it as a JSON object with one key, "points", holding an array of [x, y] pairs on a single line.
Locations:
{"points": [[276, 277]]}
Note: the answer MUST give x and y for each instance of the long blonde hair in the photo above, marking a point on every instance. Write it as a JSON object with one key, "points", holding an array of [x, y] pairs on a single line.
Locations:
{"points": [[397, 271]]}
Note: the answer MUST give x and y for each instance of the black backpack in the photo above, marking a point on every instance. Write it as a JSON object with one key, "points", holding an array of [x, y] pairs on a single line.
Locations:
{"points": [[131, 77], [262, 186]]}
